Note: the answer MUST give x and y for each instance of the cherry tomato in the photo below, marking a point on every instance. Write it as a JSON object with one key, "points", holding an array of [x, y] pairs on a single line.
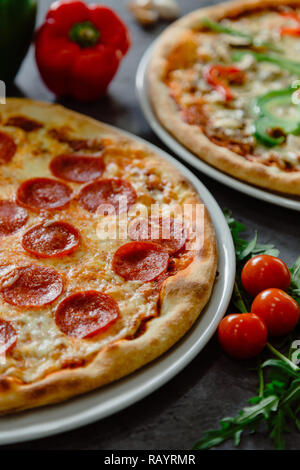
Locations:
{"points": [[264, 271], [278, 310], [242, 335]]}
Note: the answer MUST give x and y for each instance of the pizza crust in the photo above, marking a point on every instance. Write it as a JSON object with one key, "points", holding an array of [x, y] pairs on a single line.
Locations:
{"points": [[190, 135], [183, 297]]}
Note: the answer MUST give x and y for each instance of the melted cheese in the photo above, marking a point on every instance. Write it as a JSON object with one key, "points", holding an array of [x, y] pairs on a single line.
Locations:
{"points": [[261, 77], [41, 347]]}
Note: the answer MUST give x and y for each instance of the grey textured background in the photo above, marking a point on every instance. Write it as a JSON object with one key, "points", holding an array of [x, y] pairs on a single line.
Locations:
{"points": [[212, 386]]}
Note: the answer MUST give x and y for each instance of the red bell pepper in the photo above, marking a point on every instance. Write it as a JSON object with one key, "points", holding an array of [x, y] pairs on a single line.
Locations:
{"points": [[219, 76], [288, 30], [79, 49]]}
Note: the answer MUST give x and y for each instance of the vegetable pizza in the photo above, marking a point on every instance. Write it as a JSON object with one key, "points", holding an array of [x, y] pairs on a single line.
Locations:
{"points": [[225, 82]]}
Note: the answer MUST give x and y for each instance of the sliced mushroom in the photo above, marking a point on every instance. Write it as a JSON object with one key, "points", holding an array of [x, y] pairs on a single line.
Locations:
{"points": [[236, 40], [247, 62]]}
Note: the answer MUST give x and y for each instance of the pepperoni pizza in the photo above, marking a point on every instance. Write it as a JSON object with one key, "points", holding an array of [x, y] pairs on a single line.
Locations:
{"points": [[80, 309]]}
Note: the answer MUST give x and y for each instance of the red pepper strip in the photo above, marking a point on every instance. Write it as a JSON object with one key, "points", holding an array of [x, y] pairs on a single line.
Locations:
{"points": [[290, 31], [290, 14], [79, 48], [218, 76], [287, 30]]}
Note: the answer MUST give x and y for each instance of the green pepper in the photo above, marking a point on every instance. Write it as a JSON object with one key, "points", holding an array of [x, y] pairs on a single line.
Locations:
{"points": [[263, 128], [269, 121], [287, 64], [268, 104], [17, 21], [219, 28]]}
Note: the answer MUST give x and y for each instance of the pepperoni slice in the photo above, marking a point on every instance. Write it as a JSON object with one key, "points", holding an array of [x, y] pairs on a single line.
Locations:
{"points": [[51, 240], [107, 193], [7, 148], [169, 233], [140, 261], [12, 217], [77, 168], [32, 286], [86, 313], [43, 193], [8, 336]]}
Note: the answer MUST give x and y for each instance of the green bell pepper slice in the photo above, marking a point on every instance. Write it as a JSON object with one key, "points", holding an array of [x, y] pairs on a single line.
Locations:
{"points": [[263, 127], [17, 21], [219, 28], [269, 120], [287, 64], [268, 103]]}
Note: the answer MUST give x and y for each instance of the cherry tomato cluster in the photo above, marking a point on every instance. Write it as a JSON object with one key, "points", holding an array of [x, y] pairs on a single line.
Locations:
{"points": [[273, 311]]}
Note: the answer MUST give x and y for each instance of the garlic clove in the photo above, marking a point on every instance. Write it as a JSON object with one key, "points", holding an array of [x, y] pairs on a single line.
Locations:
{"points": [[143, 11], [167, 9]]}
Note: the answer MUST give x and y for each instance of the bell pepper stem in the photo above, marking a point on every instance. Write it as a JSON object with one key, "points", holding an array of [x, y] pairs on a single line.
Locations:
{"points": [[85, 34]]}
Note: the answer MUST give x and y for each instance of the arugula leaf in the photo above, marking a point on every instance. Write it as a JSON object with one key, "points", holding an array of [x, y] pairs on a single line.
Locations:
{"points": [[295, 272], [286, 368], [278, 424], [238, 301], [294, 290], [273, 406], [247, 249], [248, 419], [276, 404], [265, 250]]}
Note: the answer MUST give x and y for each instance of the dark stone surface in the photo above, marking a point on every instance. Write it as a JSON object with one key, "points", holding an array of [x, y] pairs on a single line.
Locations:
{"points": [[212, 386]]}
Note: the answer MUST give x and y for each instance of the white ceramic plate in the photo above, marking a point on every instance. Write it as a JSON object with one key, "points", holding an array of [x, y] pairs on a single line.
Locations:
{"points": [[112, 398], [189, 157]]}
